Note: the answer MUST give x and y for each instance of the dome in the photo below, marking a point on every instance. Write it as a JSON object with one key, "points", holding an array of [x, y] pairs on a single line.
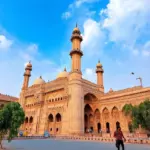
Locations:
{"points": [[39, 81], [63, 74], [76, 29], [99, 64], [29, 64], [111, 90]]}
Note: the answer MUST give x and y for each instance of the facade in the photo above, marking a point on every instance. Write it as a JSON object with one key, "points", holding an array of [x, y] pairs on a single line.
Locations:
{"points": [[4, 99], [72, 105]]}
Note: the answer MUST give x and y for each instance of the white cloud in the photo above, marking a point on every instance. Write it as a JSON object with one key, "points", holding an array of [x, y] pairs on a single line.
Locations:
{"points": [[146, 49], [33, 48], [93, 37], [12, 63], [135, 52], [66, 15], [89, 74], [126, 19], [5, 43], [78, 3], [91, 13]]}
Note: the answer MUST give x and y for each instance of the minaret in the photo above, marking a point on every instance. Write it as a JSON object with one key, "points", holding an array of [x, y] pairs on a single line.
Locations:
{"points": [[75, 111], [27, 75], [76, 52], [100, 71]]}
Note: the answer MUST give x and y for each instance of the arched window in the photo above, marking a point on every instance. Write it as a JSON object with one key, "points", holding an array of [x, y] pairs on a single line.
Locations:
{"points": [[26, 120], [31, 120], [58, 118], [50, 118]]}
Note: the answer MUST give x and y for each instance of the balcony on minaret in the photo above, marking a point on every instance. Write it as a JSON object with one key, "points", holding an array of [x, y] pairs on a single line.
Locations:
{"points": [[76, 52]]}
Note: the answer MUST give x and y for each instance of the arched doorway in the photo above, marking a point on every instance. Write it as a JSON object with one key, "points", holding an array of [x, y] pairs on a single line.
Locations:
{"points": [[98, 127], [86, 123], [106, 119], [88, 118], [58, 123], [107, 127], [117, 124], [97, 120], [50, 123]]}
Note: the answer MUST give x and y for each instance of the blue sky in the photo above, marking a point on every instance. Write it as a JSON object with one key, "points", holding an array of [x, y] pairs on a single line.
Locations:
{"points": [[115, 31]]}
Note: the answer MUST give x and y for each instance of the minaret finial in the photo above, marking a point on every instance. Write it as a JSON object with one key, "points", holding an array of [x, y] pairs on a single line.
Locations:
{"points": [[65, 69], [76, 25], [98, 61], [40, 77]]}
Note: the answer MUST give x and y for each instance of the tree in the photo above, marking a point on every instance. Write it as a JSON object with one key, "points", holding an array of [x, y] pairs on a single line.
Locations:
{"points": [[11, 117], [140, 114]]}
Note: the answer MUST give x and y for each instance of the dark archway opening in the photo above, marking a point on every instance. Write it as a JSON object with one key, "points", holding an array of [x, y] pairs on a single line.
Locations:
{"points": [[86, 123], [91, 129], [26, 120], [117, 125], [50, 118], [58, 118], [31, 120], [98, 127], [107, 127]]}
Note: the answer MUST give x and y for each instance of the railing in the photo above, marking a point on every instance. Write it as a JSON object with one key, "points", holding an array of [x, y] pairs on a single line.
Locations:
{"points": [[87, 138]]}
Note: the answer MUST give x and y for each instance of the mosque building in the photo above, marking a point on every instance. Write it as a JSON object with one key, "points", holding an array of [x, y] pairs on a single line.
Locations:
{"points": [[71, 104]]}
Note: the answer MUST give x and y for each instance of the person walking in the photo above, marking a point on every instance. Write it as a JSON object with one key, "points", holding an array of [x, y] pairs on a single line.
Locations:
{"points": [[119, 138]]}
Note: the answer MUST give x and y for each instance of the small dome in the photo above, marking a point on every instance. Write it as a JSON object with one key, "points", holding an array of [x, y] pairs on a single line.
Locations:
{"points": [[39, 81], [63, 74], [76, 29], [111, 90], [29, 64], [99, 64]]}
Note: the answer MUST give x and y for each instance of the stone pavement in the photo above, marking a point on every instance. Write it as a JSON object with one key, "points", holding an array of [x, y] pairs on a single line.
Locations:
{"points": [[49, 144]]}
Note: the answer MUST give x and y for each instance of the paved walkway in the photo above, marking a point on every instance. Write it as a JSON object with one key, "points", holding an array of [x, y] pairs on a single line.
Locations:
{"points": [[67, 145]]}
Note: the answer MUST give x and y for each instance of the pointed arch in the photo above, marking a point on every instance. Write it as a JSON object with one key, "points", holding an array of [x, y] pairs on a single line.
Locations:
{"points": [[58, 117], [31, 120], [50, 118], [26, 120], [97, 115], [89, 97], [115, 112], [88, 108]]}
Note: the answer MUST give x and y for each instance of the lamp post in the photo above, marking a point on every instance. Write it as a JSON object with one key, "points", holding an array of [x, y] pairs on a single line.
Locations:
{"points": [[139, 78]]}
